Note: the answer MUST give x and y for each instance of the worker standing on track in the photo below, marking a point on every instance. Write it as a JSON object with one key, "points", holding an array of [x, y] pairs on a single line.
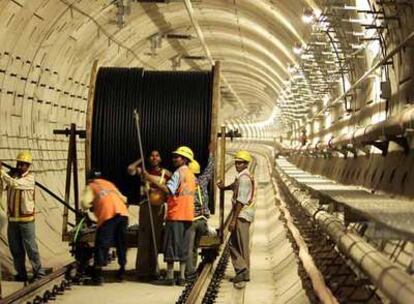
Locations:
{"points": [[20, 185], [243, 215], [109, 207], [146, 258], [199, 226], [180, 214]]}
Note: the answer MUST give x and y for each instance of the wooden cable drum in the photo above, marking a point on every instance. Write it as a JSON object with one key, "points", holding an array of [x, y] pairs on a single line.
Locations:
{"points": [[175, 109]]}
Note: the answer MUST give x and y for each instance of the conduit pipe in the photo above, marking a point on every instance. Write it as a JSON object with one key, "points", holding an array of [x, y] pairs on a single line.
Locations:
{"points": [[395, 283], [318, 283], [393, 127], [354, 86]]}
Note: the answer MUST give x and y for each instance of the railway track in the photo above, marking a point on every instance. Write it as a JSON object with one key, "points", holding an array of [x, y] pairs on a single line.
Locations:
{"points": [[203, 290], [45, 289], [212, 269]]}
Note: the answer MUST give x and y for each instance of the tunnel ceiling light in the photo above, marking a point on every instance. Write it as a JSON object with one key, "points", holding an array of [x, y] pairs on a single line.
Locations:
{"points": [[298, 48], [357, 46], [178, 36], [308, 16], [194, 57]]}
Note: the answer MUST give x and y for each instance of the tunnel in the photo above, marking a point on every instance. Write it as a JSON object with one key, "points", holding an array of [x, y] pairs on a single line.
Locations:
{"points": [[318, 93]]}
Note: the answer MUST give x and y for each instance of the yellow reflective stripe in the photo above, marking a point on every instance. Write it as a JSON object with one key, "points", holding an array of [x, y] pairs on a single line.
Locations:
{"points": [[22, 219], [16, 203], [162, 177], [249, 205], [200, 196], [199, 218]]}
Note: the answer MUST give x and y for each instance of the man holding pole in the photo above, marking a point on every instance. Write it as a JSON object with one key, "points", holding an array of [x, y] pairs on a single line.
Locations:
{"points": [[180, 213], [146, 259]]}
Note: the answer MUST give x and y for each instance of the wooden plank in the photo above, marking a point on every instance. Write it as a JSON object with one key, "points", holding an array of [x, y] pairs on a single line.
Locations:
{"points": [[89, 116], [214, 130]]}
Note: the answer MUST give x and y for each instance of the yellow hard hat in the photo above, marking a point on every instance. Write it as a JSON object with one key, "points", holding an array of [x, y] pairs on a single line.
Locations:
{"points": [[243, 156], [185, 152], [194, 166], [24, 157]]}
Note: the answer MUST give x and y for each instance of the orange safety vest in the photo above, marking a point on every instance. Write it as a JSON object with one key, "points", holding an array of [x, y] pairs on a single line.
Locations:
{"points": [[181, 204], [107, 202]]}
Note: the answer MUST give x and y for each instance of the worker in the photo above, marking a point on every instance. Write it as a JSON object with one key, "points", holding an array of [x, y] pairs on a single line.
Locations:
{"points": [[110, 210], [180, 214], [199, 226], [20, 185], [146, 260], [242, 216]]}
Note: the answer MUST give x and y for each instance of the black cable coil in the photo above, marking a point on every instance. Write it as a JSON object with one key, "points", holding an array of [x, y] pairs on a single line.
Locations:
{"points": [[175, 109]]}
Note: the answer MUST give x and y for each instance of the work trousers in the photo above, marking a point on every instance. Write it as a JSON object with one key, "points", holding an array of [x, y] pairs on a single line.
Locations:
{"points": [[240, 246], [197, 230], [22, 241], [112, 233], [146, 260]]}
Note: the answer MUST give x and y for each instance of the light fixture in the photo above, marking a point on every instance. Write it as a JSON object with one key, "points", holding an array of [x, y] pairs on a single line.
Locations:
{"points": [[292, 68], [298, 48], [308, 16], [325, 100]]}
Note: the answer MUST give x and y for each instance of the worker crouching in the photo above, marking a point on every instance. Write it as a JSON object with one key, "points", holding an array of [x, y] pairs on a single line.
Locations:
{"points": [[110, 210], [180, 214]]}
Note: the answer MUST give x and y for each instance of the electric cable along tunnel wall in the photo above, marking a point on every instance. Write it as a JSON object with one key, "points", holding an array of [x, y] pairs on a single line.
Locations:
{"points": [[175, 108]]}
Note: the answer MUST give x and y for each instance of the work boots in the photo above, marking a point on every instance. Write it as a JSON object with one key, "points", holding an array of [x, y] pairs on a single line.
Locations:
{"points": [[241, 276], [97, 278], [120, 274]]}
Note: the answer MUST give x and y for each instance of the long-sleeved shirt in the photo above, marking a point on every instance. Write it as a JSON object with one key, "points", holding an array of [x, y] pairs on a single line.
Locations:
{"points": [[201, 199], [20, 196]]}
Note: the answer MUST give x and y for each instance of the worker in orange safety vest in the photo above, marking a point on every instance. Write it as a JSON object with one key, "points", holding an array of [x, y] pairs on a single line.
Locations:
{"points": [[180, 213], [110, 210]]}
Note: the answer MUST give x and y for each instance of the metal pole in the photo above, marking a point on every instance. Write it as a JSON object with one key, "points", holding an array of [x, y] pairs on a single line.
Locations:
{"points": [[222, 178], [75, 172], [154, 240], [67, 186]]}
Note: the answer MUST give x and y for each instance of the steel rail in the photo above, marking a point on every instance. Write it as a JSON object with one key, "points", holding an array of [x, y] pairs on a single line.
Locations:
{"points": [[31, 289], [201, 284]]}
